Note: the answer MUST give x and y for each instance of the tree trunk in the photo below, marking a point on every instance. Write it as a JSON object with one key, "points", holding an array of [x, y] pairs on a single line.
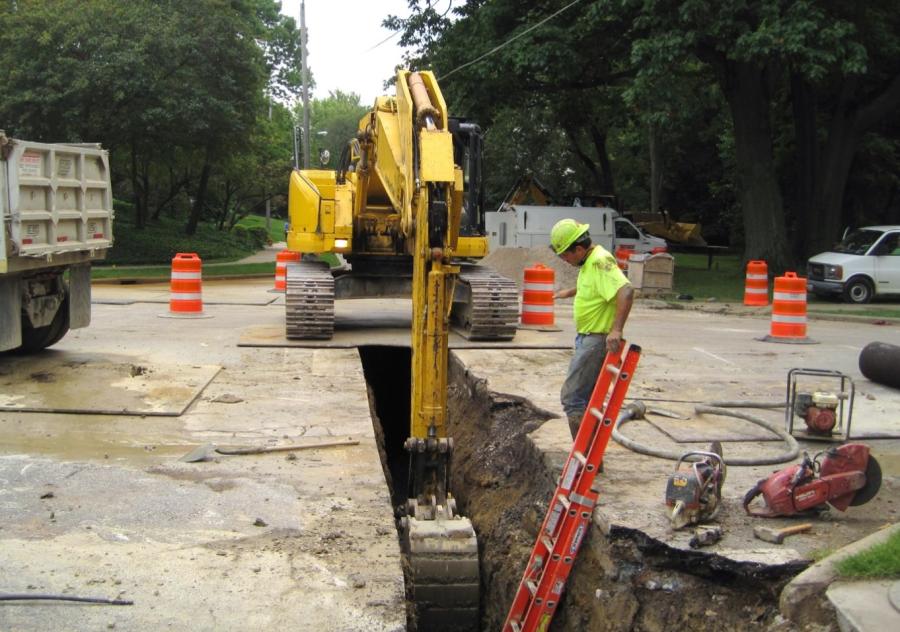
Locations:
{"points": [[744, 85], [656, 174], [804, 110], [199, 201], [140, 211], [850, 121], [607, 181]]}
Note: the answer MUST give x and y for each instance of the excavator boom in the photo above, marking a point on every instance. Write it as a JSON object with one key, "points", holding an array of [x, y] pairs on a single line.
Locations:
{"points": [[398, 209]]}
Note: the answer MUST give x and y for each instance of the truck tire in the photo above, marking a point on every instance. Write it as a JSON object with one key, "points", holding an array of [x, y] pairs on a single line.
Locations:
{"points": [[37, 338], [858, 290]]}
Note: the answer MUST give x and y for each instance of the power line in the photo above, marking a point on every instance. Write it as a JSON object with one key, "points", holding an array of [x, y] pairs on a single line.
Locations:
{"points": [[510, 40]]}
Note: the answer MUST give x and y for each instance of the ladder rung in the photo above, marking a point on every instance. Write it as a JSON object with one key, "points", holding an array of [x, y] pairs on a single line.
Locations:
{"points": [[532, 587], [612, 368], [578, 456], [548, 543], [565, 501], [515, 626]]}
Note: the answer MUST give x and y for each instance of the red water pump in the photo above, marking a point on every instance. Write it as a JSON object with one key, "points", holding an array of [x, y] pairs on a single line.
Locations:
{"points": [[842, 476]]}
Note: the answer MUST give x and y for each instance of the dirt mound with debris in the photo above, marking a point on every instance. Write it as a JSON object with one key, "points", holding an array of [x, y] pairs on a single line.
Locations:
{"points": [[511, 263]]}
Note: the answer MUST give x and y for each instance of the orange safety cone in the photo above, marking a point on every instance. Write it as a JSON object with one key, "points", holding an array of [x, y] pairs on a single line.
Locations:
{"points": [[185, 287], [537, 296], [281, 260], [789, 311], [756, 284]]}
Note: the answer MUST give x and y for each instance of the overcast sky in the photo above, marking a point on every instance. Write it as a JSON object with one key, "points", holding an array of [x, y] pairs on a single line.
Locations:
{"points": [[342, 34]]}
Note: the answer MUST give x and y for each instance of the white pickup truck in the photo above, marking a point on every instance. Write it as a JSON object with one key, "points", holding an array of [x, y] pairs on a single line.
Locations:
{"points": [[56, 213], [865, 264]]}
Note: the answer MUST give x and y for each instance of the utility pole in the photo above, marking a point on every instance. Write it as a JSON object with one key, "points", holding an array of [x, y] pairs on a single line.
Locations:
{"points": [[304, 138]]}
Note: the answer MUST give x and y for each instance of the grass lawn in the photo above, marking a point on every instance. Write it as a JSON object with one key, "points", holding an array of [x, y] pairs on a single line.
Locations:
{"points": [[724, 281], [163, 272], [880, 561]]}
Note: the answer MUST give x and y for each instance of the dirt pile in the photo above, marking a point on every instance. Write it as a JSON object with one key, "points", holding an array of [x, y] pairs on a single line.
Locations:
{"points": [[511, 263]]}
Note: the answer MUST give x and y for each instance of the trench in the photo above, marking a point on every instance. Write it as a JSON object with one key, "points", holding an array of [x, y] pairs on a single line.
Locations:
{"points": [[502, 483]]}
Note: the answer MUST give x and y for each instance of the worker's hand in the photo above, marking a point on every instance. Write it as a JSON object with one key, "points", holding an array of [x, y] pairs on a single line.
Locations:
{"points": [[614, 341]]}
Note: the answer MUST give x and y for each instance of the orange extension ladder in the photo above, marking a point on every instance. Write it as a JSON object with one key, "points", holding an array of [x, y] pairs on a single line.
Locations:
{"points": [[569, 515]]}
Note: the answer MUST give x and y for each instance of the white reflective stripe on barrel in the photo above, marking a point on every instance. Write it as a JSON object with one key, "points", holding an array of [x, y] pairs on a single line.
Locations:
{"points": [[756, 290], [186, 275], [186, 296], [789, 296], [529, 307], [778, 318], [757, 277], [538, 287]]}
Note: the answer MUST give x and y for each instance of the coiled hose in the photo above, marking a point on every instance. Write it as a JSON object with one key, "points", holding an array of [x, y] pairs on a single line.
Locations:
{"points": [[637, 410]]}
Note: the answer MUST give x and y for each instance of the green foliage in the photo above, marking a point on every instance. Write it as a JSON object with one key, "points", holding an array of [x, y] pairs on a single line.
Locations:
{"points": [[274, 234], [158, 242], [334, 122], [879, 561], [254, 237], [172, 89]]}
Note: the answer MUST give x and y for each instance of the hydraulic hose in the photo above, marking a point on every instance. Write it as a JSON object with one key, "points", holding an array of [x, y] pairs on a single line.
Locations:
{"points": [[636, 410]]}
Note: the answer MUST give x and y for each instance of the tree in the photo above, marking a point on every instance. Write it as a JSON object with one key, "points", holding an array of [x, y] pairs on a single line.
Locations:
{"points": [[172, 89]]}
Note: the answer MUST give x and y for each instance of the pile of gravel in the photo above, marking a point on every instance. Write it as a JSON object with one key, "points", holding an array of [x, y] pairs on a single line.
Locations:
{"points": [[511, 263]]}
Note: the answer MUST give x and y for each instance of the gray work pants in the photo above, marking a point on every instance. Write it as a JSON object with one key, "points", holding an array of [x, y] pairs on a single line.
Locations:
{"points": [[590, 351]]}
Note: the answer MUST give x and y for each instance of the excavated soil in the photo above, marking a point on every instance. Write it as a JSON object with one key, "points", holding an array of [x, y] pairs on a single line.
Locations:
{"points": [[625, 581], [621, 581], [510, 262]]}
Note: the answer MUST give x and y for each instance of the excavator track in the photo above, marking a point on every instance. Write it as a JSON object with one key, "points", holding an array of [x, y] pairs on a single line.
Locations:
{"points": [[485, 305], [309, 301], [443, 573]]}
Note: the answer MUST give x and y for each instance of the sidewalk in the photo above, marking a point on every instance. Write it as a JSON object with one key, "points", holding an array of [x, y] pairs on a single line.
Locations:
{"points": [[265, 255]]}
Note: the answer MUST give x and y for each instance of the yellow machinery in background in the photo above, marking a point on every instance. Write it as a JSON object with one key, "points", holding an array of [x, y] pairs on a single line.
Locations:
{"points": [[405, 209]]}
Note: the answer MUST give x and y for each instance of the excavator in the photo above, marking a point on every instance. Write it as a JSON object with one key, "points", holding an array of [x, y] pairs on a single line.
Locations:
{"points": [[404, 207]]}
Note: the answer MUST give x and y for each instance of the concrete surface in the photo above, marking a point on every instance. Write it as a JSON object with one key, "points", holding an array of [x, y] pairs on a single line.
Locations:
{"points": [[801, 596], [100, 506], [864, 606]]}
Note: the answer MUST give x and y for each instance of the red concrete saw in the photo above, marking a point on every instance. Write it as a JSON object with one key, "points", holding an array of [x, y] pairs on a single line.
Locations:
{"points": [[842, 476]]}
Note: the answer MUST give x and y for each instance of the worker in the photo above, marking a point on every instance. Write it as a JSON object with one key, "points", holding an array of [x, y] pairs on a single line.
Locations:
{"points": [[603, 298]]}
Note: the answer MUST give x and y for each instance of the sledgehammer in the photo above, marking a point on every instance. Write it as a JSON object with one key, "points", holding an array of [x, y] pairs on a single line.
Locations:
{"points": [[777, 536]]}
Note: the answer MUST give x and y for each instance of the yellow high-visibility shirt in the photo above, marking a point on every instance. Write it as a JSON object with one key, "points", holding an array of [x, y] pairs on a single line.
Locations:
{"points": [[599, 280]]}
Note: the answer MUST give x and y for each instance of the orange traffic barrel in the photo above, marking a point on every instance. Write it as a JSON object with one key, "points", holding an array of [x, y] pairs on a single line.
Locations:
{"points": [[281, 261], [185, 290], [789, 310], [756, 284], [537, 296], [622, 255]]}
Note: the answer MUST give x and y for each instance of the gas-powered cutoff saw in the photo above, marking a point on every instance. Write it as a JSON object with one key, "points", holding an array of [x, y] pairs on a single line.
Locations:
{"points": [[842, 476]]}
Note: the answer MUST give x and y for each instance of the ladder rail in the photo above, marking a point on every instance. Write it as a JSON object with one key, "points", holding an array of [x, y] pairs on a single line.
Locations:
{"points": [[568, 516]]}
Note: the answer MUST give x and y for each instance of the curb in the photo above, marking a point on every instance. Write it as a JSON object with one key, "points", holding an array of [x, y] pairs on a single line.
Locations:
{"points": [[800, 599]]}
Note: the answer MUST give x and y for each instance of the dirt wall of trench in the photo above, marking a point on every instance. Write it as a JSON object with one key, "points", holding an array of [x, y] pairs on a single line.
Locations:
{"points": [[624, 581]]}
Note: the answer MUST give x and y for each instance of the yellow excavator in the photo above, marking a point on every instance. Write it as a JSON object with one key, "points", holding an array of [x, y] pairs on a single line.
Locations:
{"points": [[404, 207]]}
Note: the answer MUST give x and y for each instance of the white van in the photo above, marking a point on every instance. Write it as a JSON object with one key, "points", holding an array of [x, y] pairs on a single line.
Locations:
{"points": [[865, 264]]}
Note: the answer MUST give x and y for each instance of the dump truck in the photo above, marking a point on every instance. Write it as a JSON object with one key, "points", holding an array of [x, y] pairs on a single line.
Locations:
{"points": [[57, 214]]}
